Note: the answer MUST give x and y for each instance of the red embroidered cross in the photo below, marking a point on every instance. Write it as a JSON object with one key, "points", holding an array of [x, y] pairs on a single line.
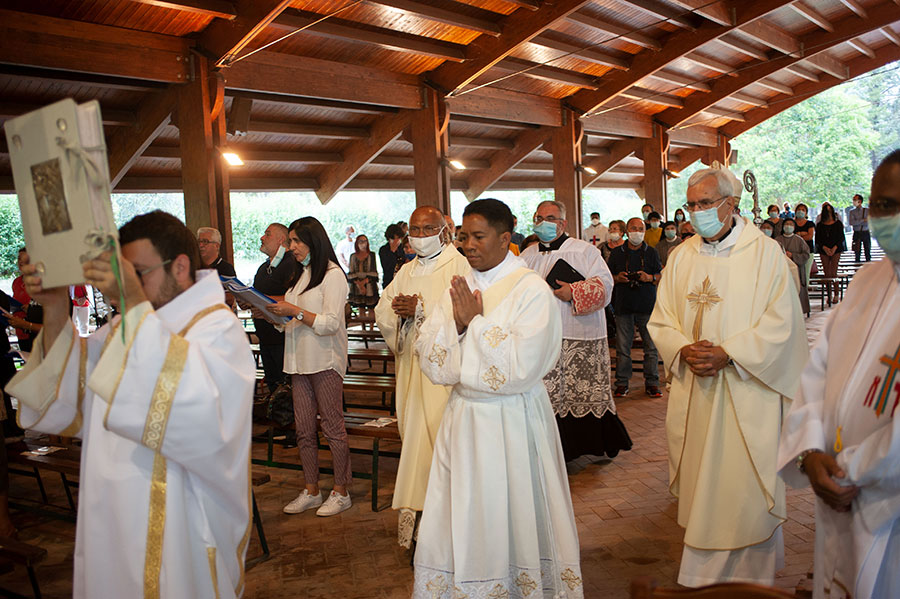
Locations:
{"points": [[893, 365]]}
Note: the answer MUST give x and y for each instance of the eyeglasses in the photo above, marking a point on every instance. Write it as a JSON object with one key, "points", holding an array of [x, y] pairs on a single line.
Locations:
{"points": [[206, 242], [427, 231], [703, 204], [550, 219], [146, 271]]}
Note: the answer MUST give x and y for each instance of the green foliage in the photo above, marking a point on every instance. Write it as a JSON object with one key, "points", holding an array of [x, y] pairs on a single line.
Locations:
{"points": [[881, 89], [11, 234]]}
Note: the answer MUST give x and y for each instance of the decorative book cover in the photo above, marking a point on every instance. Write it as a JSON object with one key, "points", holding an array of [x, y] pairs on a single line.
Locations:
{"points": [[61, 174]]}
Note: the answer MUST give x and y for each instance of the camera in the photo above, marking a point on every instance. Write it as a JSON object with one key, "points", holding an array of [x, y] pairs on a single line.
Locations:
{"points": [[634, 279]]}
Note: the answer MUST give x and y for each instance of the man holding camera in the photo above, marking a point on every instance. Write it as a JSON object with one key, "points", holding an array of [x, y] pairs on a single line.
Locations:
{"points": [[636, 270]]}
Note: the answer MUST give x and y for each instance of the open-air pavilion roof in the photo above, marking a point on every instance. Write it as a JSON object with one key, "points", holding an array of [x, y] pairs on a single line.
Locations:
{"points": [[379, 94]]}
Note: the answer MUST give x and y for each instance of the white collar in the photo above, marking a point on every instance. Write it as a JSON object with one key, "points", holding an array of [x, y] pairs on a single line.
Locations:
{"points": [[206, 291], [483, 280], [717, 247]]}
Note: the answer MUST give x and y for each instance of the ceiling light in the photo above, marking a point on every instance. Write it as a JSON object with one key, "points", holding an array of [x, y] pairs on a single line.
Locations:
{"points": [[671, 174], [232, 158], [456, 165], [586, 169]]}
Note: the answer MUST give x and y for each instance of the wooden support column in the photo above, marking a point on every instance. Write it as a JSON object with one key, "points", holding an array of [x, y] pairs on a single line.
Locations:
{"points": [[654, 154], [199, 158], [223, 188], [720, 153], [428, 132], [566, 146]]}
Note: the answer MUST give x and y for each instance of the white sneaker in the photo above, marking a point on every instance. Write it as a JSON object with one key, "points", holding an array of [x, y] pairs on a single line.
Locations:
{"points": [[303, 502], [335, 504]]}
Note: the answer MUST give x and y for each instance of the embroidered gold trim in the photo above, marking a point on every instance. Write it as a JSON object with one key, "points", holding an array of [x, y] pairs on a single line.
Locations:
{"points": [[164, 393], [498, 592], [112, 397], [526, 584], [571, 579], [459, 594], [156, 523], [493, 378], [242, 546], [437, 586], [211, 556], [438, 355], [75, 426], [201, 314], [494, 336], [40, 339]]}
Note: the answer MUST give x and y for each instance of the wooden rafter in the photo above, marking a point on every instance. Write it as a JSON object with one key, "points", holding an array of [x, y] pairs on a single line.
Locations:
{"points": [[681, 80], [625, 33], [861, 47], [856, 8], [819, 41], [736, 43], [579, 49], [504, 160], [448, 12], [39, 41], [359, 153], [126, 145], [686, 158], [618, 152], [830, 65], [891, 35], [486, 51], [223, 40], [221, 9], [773, 36], [536, 70], [777, 86], [717, 12], [678, 45], [803, 91], [812, 15], [803, 73], [661, 10], [111, 117]]}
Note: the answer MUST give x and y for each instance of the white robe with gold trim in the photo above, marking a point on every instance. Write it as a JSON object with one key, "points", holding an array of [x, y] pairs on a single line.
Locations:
{"points": [[498, 517], [164, 499], [723, 430], [852, 381], [420, 403]]}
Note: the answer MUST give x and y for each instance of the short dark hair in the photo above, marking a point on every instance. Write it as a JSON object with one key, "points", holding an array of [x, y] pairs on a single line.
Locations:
{"points": [[393, 231], [168, 235], [655, 215], [785, 221], [495, 212], [858, 195], [892, 158], [769, 209], [593, 214], [669, 223], [311, 232]]}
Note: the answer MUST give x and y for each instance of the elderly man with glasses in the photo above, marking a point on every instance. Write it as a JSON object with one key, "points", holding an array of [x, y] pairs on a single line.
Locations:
{"points": [[579, 385], [210, 242], [728, 326]]}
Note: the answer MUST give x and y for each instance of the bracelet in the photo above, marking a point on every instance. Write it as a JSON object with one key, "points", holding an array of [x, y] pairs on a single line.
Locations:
{"points": [[803, 456]]}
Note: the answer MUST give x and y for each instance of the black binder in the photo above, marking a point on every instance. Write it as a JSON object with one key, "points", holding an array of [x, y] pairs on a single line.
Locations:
{"points": [[563, 271]]}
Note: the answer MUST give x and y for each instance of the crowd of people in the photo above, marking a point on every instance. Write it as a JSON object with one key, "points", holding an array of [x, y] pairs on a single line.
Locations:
{"points": [[503, 375]]}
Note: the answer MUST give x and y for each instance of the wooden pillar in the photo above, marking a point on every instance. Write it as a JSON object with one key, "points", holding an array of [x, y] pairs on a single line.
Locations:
{"points": [[655, 156], [428, 133], [720, 153], [223, 189], [200, 159], [565, 143]]}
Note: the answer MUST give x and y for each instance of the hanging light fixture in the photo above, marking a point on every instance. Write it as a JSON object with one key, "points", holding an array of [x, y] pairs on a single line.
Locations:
{"points": [[231, 157]]}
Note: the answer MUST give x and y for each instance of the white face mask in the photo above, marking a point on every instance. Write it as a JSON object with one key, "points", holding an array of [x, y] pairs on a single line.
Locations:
{"points": [[276, 259], [615, 236], [636, 237], [426, 246], [595, 221]]}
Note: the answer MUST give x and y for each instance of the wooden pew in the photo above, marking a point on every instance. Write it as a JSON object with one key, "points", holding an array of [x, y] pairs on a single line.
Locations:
{"points": [[383, 355], [371, 382]]}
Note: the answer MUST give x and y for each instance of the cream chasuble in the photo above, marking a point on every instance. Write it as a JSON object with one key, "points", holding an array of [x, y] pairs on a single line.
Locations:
{"points": [[498, 519], [420, 403], [164, 416], [847, 407], [723, 430]]}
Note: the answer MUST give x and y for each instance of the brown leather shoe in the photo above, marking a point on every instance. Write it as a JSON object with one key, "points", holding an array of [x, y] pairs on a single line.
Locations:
{"points": [[621, 391], [653, 391]]}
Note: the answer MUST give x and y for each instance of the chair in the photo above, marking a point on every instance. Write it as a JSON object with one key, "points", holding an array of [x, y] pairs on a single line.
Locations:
{"points": [[645, 588]]}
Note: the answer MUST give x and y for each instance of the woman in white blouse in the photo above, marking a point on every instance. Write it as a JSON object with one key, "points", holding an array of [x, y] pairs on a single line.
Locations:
{"points": [[315, 355]]}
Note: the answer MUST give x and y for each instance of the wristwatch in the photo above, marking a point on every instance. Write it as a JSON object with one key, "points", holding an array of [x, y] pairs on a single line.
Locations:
{"points": [[300, 316]]}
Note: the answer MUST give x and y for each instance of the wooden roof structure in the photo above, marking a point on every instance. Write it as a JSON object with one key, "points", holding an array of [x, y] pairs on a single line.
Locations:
{"points": [[327, 95]]}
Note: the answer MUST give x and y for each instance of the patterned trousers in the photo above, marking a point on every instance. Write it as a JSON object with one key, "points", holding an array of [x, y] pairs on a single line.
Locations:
{"points": [[321, 393]]}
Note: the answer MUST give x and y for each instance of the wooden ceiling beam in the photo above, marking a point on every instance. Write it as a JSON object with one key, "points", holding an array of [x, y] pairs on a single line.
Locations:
{"points": [[819, 41], [504, 160], [590, 54], [830, 65], [219, 9], [483, 53], [111, 117], [717, 12], [861, 47], [748, 99], [711, 63], [651, 96], [476, 120], [531, 5], [309, 130], [724, 113], [681, 80], [773, 37], [126, 145], [536, 70], [294, 19], [812, 15], [507, 105], [618, 152], [37, 41], [803, 73], [857, 66], [35, 74], [625, 33], [856, 8], [648, 62], [735, 43], [663, 11], [449, 13], [461, 141], [774, 86], [891, 35], [349, 107], [224, 40], [361, 152], [686, 158]]}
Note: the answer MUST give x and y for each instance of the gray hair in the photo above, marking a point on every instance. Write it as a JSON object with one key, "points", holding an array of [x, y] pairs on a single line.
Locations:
{"points": [[559, 205], [214, 233], [726, 181], [349, 228]]}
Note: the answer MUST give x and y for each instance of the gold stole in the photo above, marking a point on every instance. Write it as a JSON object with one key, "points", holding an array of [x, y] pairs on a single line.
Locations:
{"points": [[499, 291]]}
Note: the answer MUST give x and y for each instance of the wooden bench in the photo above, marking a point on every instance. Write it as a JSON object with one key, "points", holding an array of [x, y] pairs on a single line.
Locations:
{"points": [[364, 335], [16, 553], [378, 383], [354, 423], [383, 355]]}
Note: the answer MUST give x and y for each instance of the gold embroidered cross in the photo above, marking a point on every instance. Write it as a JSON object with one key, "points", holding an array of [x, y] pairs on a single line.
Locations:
{"points": [[493, 378], [570, 578], [704, 297], [526, 584], [499, 593], [494, 336], [437, 587], [458, 593], [438, 355]]}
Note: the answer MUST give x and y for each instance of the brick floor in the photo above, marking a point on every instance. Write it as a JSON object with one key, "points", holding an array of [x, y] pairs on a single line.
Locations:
{"points": [[625, 515]]}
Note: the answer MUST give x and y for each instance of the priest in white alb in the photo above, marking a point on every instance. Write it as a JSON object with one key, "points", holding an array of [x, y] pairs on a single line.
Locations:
{"points": [[161, 399], [498, 519], [842, 434], [728, 327], [579, 384], [400, 313]]}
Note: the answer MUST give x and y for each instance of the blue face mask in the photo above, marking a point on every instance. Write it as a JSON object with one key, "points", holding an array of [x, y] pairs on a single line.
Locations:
{"points": [[679, 217], [886, 230], [670, 233], [546, 231], [276, 259], [305, 261], [801, 214], [767, 232], [706, 222], [788, 230]]}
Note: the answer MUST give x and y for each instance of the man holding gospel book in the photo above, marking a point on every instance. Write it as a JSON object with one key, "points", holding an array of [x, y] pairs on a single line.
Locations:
{"points": [[161, 398], [579, 384]]}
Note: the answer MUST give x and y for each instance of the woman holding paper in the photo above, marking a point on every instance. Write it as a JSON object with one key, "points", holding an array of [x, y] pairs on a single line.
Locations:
{"points": [[315, 355]]}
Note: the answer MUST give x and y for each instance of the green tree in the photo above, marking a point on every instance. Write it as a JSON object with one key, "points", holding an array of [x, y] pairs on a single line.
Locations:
{"points": [[11, 234]]}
